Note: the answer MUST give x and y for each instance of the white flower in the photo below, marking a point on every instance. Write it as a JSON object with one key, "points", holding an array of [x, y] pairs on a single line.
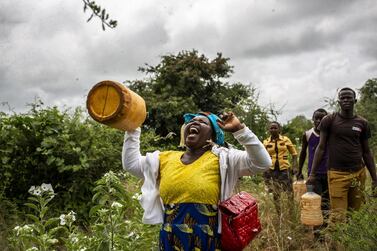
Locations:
{"points": [[37, 191], [62, 219], [116, 205], [31, 189], [32, 249], [72, 216], [27, 228], [103, 211], [74, 239], [67, 218], [289, 238], [136, 196], [130, 234], [127, 222], [52, 241], [47, 188], [17, 229]]}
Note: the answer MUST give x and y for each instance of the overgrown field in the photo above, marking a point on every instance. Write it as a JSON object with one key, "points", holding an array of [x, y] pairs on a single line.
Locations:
{"points": [[115, 222]]}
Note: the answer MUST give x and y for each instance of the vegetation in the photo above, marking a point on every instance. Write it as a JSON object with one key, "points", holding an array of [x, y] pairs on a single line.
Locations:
{"points": [[99, 12], [62, 187], [190, 82], [295, 128], [367, 107]]}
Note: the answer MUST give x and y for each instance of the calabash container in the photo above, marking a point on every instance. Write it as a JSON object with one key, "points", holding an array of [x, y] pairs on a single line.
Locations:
{"points": [[113, 104], [311, 214], [299, 188]]}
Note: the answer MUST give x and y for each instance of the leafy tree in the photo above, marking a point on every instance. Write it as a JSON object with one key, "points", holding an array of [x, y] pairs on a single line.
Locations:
{"points": [[296, 127], [190, 82], [367, 107]]}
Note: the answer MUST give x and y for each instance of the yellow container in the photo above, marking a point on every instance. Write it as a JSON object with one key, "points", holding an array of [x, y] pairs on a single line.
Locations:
{"points": [[311, 213], [299, 188], [113, 104]]}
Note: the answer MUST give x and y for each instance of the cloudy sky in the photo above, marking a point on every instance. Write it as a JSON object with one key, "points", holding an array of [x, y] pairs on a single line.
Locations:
{"points": [[295, 52]]}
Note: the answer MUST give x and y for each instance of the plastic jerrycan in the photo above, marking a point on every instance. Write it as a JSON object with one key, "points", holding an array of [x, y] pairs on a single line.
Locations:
{"points": [[113, 104], [299, 188], [311, 214]]}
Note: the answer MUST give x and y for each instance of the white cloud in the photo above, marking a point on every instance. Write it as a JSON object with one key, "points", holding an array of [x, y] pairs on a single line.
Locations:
{"points": [[296, 52]]}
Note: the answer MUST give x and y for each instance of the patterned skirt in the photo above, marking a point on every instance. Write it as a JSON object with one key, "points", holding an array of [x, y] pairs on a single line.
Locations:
{"points": [[190, 226]]}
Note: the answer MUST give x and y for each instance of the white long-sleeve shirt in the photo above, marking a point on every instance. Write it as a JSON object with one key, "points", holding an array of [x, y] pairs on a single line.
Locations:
{"points": [[233, 163]]}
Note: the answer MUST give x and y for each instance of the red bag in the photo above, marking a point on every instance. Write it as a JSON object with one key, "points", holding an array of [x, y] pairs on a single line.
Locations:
{"points": [[240, 222]]}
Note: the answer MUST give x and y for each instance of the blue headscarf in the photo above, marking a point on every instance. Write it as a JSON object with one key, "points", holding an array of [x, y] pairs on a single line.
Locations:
{"points": [[213, 119]]}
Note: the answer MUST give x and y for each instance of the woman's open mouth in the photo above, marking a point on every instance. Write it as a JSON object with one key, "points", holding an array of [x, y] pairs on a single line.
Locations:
{"points": [[193, 131]]}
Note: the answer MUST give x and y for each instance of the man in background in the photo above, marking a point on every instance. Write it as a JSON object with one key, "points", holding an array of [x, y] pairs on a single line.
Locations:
{"points": [[310, 141], [279, 178], [346, 136]]}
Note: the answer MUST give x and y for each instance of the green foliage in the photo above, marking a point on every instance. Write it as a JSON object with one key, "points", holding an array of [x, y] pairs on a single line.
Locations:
{"points": [[295, 128], [252, 114], [111, 230], [115, 221], [41, 233], [367, 107], [8, 217], [190, 82], [99, 12], [360, 232], [67, 150]]}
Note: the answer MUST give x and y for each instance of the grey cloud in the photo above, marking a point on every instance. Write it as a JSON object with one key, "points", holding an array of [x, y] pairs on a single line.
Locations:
{"points": [[309, 40], [295, 27], [125, 53]]}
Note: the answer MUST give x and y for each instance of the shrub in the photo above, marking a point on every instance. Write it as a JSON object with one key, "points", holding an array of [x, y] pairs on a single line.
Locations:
{"points": [[114, 225], [360, 231], [65, 149]]}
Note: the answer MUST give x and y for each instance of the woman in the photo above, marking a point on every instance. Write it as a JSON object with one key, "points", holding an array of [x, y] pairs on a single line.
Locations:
{"points": [[279, 178], [183, 188]]}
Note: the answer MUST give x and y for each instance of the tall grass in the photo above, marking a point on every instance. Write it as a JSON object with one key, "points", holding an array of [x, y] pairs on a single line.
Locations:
{"points": [[280, 232]]}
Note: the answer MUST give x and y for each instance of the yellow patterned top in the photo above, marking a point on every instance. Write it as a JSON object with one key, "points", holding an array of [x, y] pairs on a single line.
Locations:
{"points": [[198, 182]]}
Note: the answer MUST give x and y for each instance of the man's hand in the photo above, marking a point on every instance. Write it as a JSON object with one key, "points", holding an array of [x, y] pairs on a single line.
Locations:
{"points": [[299, 176], [311, 180]]}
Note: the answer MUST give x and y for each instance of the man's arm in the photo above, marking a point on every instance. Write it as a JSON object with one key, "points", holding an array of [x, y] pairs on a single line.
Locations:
{"points": [[318, 155], [302, 158], [294, 164], [369, 162]]}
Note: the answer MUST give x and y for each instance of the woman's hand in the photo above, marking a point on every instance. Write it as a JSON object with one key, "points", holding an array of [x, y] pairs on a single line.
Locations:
{"points": [[229, 122]]}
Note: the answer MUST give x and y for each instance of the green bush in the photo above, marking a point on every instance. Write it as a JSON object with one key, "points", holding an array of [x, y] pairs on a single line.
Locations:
{"points": [[65, 149], [114, 220], [360, 231]]}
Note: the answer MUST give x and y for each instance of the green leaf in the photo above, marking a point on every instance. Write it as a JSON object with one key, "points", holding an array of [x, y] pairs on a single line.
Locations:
{"points": [[50, 221], [43, 212], [95, 196], [31, 205], [33, 218], [52, 231], [33, 199], [94, 210]]}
